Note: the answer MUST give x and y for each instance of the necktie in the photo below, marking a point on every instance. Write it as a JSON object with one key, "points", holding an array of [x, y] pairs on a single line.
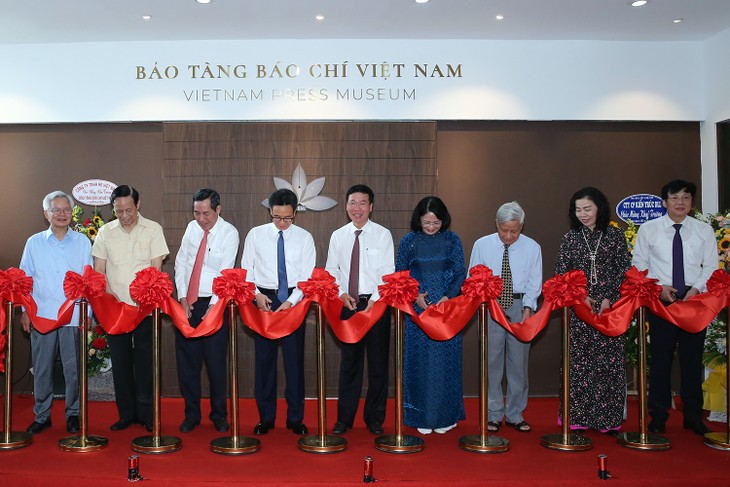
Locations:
{"points": [[678, 262], [194, 286], [507, 297], [283, 290], [354, 283]]}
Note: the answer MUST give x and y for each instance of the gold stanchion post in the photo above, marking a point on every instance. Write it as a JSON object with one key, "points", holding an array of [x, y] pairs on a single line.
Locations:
{"points": [[83, 442], [321, 442], [234, 444], [718, 440], [11, 440], [156, 443], [483, 442], [566, 441], [642, 440], [399, 443]]}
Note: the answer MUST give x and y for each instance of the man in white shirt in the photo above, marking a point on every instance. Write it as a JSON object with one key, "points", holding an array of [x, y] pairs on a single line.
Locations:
{"points": [[277, 256], [508, 355], [211, 243], [681, 253], [359, 291]]}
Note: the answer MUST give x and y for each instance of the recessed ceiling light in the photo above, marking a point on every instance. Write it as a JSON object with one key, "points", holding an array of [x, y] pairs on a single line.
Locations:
{"points": [[677, 21], [146, 17], [203, 1], [499, 17], [639, 3], [319, 17], [421, 1]]}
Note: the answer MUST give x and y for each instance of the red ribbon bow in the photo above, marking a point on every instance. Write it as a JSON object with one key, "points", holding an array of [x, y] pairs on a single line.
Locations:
{"points": [[91, 285], [399, 289], [719, 283], [14, 284], [639, 286], [232, 284], [321, 287], [482, 284], [566, 289], [151, 287]]}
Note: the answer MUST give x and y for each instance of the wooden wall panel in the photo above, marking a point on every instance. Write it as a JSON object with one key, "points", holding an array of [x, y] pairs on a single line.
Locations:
{"points": [[240, 160]]}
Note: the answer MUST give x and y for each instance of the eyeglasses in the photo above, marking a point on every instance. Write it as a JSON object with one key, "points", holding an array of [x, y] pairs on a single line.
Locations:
{"points": [[435, 224], [58, 211], [279, 219], [675, 198]]}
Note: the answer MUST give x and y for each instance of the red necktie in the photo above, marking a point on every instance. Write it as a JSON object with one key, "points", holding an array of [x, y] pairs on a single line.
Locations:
{"points": [[194, 286]]}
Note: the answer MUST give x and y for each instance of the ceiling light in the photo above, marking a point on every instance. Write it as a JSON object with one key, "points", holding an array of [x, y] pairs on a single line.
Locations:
{"points": [[203, 1], [499, 17], [146, 17], [677, 21], [638, 3], [319, 17], [421, 1]]}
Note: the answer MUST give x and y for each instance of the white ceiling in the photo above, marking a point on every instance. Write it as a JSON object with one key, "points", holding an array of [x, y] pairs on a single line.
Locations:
{"points": [[52, 21]]}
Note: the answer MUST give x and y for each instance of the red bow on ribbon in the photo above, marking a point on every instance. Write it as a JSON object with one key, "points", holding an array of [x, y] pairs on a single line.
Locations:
{"points": [[14, 285], [399, 289], [482, 284], [719, 283], [91, 285], [639, 286], [566, 289], [151, 287], [321, 287], [232, 284]]}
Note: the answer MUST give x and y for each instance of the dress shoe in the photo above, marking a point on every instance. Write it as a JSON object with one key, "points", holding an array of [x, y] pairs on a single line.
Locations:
{"points": [[376, 428], [36, 427], [147, 425], [340, 428], [656, 426], [72, 424], [297, 428], [188, 425], [122, 424], [263, 427], [221, 425], [696, 426]]}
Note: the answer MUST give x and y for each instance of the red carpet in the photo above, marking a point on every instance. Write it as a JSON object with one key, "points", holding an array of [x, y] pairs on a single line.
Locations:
{"points": [[280, 462]]}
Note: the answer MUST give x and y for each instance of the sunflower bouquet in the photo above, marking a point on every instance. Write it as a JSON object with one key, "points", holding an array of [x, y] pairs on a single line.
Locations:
{"points": [[88, 226]]}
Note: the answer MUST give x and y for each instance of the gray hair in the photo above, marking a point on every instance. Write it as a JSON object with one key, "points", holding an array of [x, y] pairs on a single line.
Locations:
{"points": [[52, 196], [510, 212]]}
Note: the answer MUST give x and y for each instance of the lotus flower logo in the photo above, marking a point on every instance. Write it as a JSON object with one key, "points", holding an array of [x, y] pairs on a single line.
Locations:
{"points": [[307, 194]]}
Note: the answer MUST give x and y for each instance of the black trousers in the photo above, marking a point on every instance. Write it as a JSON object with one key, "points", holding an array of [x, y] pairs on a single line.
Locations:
{"points": [[375, 344], [191, 353], [132, 371], [292, 350], [664, 338]]}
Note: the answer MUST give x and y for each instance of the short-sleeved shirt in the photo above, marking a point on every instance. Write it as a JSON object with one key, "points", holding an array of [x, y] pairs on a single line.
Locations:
{"points": [[128, 253]]}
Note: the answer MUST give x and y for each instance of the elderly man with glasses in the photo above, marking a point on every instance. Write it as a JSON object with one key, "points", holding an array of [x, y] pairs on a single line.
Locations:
{"points": [[47, 257], [277, 256]]}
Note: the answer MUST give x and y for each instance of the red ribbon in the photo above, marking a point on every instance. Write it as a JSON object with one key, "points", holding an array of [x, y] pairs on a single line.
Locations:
{"points": [[15, 288]]}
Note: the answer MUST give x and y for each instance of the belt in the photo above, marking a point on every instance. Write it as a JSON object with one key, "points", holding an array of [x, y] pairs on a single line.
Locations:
{"points": [[518, 295], [274, 291], [364, 297]]}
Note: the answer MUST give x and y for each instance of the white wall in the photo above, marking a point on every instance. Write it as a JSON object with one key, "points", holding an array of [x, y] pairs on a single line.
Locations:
{"points": [[717, 92], [556, 80]]}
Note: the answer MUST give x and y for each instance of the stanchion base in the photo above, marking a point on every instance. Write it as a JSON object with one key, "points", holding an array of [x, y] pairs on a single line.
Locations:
{"points": [[399, 444], [721, 441], [15, 440], [235, 445], [569, 442], [156, 444], [484, 444], [322, 444], [83, 444], [639, 441]]}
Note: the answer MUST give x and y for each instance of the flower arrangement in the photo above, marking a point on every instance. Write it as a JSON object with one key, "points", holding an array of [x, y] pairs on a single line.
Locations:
{"points": [[99, 354], [88, 226], [716, 339]]}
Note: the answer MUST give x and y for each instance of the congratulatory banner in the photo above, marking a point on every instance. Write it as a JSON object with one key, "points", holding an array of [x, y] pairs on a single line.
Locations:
{"points": [[318, 82]]}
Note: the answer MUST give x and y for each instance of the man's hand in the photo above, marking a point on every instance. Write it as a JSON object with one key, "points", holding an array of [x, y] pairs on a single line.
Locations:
{"points": [[263, 303], [284, 305], [25, 322], [692, 292], [370, 305], [526, 313], [669, 294], [350, 302], [186, 307]]}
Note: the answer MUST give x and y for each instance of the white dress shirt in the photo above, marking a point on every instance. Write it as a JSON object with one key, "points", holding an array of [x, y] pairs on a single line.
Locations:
{"points": [[260, 257], [222, 247], [377, 257], [525, 263], [653, 251]]}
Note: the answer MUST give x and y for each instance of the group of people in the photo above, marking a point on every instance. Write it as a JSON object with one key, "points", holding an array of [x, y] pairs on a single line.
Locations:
{"points": [[677, 250]]}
